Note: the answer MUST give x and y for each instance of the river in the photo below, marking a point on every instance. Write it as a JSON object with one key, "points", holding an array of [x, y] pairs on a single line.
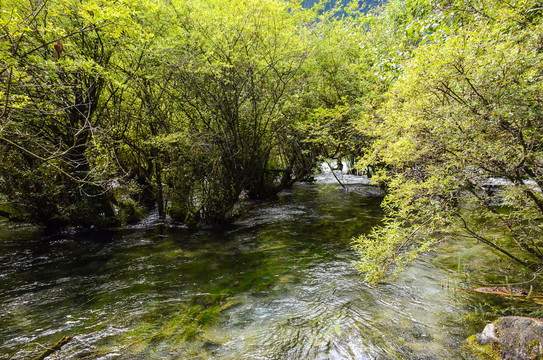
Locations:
{"points": [[278, 284]]}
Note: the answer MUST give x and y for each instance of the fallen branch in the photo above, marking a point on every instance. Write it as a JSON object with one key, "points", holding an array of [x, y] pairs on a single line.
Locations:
{"points": [[53, 348], [510, 293], [332, 170]]}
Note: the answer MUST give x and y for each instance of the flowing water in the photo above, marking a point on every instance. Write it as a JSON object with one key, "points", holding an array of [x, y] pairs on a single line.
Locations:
{"points": [[278, 284]]}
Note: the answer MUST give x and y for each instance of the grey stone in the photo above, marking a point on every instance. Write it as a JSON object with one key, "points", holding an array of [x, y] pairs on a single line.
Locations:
{"points": [[514, 337], [488, 335]]}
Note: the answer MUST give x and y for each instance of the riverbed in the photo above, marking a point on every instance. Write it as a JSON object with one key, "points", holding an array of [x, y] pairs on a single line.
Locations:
{"points": [[278, 284]]}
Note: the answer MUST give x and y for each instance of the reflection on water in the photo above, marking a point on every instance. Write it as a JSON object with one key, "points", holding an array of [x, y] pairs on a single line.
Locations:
{"points": [[279, 284]]}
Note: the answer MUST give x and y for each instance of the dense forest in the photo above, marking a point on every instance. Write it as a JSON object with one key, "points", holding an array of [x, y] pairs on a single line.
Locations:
{"points": [[112, 109]]}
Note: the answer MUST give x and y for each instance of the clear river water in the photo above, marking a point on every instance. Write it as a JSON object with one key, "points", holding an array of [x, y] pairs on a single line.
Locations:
{"points": [[278, 284]]}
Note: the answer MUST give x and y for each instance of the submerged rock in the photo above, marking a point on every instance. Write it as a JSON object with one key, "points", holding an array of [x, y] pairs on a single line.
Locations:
{"points": [[510, 337]]}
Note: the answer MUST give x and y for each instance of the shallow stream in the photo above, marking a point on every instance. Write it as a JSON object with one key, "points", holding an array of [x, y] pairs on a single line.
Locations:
{"points": [[278, 284]]}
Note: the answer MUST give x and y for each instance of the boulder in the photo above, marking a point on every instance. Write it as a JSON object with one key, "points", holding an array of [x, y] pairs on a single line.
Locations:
{"points": [[511, 337]]}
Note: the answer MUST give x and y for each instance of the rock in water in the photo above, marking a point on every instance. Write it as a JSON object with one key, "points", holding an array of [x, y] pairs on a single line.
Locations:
{"points": [[511, 337], [488, 335]]}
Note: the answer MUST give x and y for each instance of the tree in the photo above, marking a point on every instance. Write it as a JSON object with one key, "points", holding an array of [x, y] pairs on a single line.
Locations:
{"points": [[465, 113], [188, 106], [59, 59], [235, 77], [338, 80]]}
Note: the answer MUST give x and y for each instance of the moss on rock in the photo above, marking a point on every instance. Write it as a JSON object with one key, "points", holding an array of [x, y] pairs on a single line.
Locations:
{"points": [[510, 337], [486, 352]]}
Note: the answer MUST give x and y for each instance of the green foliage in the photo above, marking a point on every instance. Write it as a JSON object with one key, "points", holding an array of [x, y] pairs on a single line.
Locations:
{"points": [[60, 59], [338, 82], [234, 84], [465, 111], [109, 108]]}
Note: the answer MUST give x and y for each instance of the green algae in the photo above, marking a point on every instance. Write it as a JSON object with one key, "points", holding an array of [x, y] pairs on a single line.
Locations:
{"points": [[484, 352], [188, 322], [175, 332]]}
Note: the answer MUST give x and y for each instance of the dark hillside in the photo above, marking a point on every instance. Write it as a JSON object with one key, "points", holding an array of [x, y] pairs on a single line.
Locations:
{"points": [[330, 4]]}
